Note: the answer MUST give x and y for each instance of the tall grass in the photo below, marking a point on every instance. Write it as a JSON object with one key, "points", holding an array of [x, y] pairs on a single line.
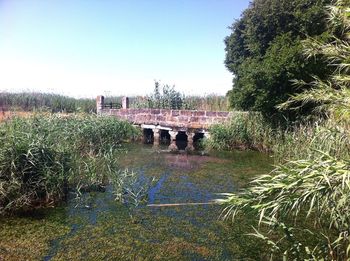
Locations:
{"points": [[166, 97], [250, 130], [170, 99], [245, 130], [210, 102], [34, 101], [304, 204], [304, 141], [42, 157]]}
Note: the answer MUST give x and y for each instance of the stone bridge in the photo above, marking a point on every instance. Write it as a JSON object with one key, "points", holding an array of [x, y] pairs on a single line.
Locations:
{"points": [[180, 128]]}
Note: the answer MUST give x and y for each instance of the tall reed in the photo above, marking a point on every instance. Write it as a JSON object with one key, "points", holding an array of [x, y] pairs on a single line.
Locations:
{"points": [[35, 101], [244, 130], [42, 157], [308, 195]]}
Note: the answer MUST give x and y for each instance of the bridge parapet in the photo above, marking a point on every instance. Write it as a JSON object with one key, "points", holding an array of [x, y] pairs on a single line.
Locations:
{"points": [[189, 119]]}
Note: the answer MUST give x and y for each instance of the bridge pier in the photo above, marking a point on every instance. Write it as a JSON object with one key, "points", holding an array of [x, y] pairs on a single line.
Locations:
{"points": [[173, 146], [156, 135], [177, 138], [190, 136]]}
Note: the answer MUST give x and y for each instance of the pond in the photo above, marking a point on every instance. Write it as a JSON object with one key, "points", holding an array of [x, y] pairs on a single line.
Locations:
{"points": [[98, 228]]}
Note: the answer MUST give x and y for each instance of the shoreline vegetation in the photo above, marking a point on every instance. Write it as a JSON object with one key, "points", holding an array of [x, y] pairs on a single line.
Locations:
{"points": [[163, 96], [42, 158], [250, 130], [303, 205]]}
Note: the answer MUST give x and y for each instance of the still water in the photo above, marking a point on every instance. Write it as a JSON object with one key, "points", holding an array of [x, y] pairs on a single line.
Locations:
{"points": [[99, 228]]}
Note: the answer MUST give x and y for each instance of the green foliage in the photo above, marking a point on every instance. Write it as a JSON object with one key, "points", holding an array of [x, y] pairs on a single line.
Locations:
{"points": [[163, 97], [166, 97], [27, 101], [243, 130], [331, 95], [264, 51], [41, 157], [307, 199], [328, 136], [210, 102], [304, 191]]}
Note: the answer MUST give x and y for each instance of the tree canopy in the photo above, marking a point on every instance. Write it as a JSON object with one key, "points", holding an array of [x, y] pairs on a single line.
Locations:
{"points": [[265, 53]]}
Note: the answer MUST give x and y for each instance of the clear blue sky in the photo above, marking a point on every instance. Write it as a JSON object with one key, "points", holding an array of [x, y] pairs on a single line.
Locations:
{"points": [[90, 47]]}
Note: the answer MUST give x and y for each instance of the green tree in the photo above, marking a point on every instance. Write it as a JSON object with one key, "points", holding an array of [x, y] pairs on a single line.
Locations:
{"points": [[264, 51]]}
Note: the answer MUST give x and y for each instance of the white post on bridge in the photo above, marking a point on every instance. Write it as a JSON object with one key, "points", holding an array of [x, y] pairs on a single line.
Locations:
{"points": [[125, 102], [100, 100]]}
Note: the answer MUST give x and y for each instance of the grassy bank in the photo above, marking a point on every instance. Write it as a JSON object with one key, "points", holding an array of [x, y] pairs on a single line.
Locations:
{"points": [[243, 131], [43, 157], [249, 130]]}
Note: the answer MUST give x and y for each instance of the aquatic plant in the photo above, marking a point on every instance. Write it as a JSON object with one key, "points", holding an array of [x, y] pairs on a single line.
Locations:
{"points": [[323, 135], [41, 157], [130, 187], [309, 192], [210, 102]]}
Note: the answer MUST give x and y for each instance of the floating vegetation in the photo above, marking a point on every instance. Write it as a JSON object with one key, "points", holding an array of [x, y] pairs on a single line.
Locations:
{"points": [[97, 227]]}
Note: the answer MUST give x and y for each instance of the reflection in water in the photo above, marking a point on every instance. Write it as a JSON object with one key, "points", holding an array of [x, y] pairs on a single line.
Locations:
{"points": [[186, 161], [99, 228]]}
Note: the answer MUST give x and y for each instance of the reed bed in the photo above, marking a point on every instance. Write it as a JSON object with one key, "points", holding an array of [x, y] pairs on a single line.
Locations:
{"points": [[35, 101], [43, 157], [245, 130], [210, 102], [250, 130], [49, 102]]}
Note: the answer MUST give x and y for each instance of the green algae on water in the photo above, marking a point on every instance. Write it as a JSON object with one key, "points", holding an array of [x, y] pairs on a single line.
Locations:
{"points": [[99, 228]]}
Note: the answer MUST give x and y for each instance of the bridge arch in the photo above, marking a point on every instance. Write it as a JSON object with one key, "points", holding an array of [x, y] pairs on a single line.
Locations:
{"points": [[181, 140]]}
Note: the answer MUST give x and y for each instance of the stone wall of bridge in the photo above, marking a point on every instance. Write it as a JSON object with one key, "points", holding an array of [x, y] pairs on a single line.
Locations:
{"points": [[153, 122], [182, 119]]}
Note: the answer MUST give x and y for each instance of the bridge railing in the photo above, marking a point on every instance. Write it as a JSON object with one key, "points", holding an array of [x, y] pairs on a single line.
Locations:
{"points": [[111, 105]]}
